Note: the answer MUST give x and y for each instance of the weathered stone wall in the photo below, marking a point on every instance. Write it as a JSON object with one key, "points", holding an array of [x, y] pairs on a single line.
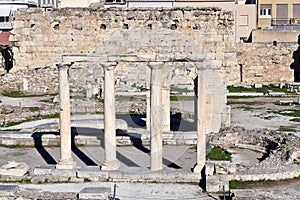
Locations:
{"points": [[266, 63], [41, 37]]}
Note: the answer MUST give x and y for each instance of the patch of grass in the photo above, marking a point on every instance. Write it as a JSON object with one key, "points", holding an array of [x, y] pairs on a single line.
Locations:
{"points": [[33, 119], [181, 98], [243, 102], [261, 90], [218, 153], [20, 94], [13, 146], [286, 129], [268, 117], [77, 97], [56, 115], [247, 108], [290, 113], [12, 130], [241, 97], [125, 98], [47, 100], [295, 120], [234, 184], [179, 90], [33, 109]]}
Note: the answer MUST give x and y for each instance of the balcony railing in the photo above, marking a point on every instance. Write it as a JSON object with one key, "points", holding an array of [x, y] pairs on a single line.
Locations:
{"points": [[285, 21], [5, 25]]}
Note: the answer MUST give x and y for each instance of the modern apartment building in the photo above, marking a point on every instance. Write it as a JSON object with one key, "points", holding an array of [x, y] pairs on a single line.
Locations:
{"points": [[278, 13]]}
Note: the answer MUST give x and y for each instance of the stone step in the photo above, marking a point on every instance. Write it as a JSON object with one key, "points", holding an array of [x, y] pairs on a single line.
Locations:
{"points": [[99, 193], [8, 190]]}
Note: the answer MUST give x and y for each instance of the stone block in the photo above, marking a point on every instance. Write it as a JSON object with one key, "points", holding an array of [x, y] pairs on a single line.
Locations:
{"points": [[209, 169], [13, 168], [92, 172], [217, 183], [100, 193], [64, 172], [8, 190], [43, 170]]}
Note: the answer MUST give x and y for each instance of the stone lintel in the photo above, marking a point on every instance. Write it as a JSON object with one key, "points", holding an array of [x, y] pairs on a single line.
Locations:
{"points": [[84, 58], [108, 65], [64, 65], [176, 57]]}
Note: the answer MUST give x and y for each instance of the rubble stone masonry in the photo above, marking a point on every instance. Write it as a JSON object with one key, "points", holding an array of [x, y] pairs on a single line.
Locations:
{"points": [[41, 36]]}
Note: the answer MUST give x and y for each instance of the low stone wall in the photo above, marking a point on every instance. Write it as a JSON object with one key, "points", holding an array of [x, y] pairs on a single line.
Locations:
{"points": [[290, 174], [53, 139]]}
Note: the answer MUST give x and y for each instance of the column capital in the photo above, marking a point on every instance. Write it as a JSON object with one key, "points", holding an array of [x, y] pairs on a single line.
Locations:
{"points": [[108, 65], [155, 65], [201, 65], [64, 65]]}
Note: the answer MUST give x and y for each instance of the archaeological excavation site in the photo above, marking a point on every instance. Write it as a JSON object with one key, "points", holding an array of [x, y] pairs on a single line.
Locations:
{"points": [[146, 103]]}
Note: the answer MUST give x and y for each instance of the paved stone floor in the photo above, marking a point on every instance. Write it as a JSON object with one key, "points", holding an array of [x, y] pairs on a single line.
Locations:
{"points": [[129, 156]]}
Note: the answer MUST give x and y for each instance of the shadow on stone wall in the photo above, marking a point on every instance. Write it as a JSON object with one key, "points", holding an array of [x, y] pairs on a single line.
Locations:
{"points": [[296, 64]]}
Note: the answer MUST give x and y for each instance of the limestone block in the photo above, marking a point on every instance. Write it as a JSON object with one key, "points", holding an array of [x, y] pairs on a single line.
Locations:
{"points": [[217, 183], [8, 190], [100, 193], [64, 172], [92, 172], [209, 169], [13, 168], [43, 170], [178, 14]]}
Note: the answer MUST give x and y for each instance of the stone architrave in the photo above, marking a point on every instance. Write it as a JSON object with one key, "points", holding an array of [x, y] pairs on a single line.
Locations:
{"points": [[201, 120], [155, 115], [166, 109], [66, 160], [110, 162]]}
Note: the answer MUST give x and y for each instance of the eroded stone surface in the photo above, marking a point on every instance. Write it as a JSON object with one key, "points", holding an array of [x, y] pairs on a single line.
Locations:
{"points": [[13, 168]]}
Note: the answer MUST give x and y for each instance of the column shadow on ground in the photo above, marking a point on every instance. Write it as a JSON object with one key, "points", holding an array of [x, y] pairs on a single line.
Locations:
{"points": [[177, 122], [80, 154], [137, 142], [99, 133], [38, 144]]}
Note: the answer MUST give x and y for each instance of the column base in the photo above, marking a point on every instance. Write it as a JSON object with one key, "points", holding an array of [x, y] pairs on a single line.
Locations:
{"points": [[110, 165], [66, 164], [199, 167]]}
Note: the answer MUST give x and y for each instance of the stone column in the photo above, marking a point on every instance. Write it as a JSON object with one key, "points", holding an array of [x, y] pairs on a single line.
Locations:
{"points": [[110, 162], [166, 109], [155, 116], [201, 120], [66, 160], [148, 107]]}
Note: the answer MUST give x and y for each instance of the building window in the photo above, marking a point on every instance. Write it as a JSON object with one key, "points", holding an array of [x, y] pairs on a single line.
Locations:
{"points": [[296, 11], [265, 10]]}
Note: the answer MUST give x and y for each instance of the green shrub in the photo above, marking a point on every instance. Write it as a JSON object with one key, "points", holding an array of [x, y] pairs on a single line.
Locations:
{"points": [[218, 153]]}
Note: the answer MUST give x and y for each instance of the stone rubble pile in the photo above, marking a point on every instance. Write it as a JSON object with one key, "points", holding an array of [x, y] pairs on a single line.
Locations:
{"points": [[280, 149]]}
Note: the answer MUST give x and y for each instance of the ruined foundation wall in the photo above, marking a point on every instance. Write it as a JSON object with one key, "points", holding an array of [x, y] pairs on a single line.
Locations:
{"points": [[41, 37], [261, 63]]}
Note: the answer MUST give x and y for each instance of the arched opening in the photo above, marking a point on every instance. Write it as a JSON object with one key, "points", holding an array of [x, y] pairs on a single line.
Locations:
{"points": [[179, 99]]}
